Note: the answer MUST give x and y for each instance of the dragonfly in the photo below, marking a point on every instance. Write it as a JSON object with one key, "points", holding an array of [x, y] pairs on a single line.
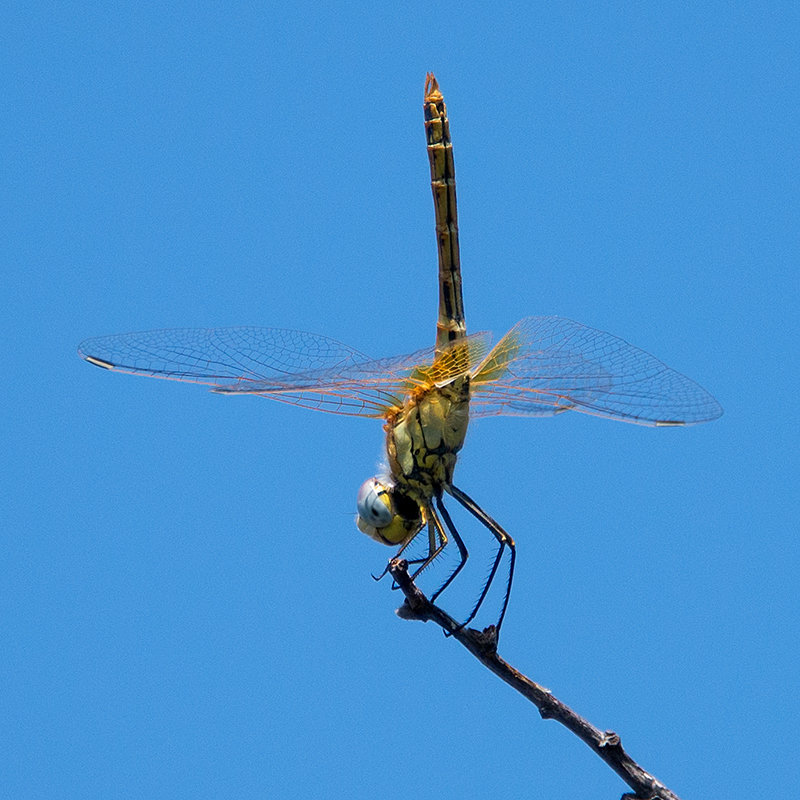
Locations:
{"points": [[544, 366]]}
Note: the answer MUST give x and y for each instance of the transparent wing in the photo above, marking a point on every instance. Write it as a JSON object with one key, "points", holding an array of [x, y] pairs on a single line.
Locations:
{"points": [[296, 367], [547, 365]]}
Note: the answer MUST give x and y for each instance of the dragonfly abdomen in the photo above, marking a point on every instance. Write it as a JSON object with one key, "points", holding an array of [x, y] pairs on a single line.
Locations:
{"points": [[451, 325]]}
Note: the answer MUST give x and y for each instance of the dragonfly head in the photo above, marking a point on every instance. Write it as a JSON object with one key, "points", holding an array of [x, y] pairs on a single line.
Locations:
{"points": [[386, 514]]}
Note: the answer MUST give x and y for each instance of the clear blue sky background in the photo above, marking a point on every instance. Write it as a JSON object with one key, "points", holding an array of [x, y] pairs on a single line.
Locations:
{"points": [[187, 608]]}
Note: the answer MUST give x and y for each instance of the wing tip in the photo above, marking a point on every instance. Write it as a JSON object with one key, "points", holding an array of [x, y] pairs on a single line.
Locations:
{"points": [[711, 416], [98, 362]]}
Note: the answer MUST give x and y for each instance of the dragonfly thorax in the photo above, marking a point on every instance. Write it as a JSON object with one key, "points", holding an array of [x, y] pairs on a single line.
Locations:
{"points": [[423, 439]]}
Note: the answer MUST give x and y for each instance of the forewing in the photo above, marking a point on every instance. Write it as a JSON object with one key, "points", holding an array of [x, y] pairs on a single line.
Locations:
{"points": [[296, 367], [547, 365]]}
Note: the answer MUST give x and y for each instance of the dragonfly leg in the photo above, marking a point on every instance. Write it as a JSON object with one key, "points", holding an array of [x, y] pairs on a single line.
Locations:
{"points": [[435, 545], [504, 540], [399, 553], [462, 549], [437, 541]]}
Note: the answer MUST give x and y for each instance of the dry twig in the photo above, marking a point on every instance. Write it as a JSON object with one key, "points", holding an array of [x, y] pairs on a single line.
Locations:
{"points": [[483, 645]]}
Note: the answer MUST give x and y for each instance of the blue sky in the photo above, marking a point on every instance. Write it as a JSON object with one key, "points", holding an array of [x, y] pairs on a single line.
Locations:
{"points": [[187, 605]]}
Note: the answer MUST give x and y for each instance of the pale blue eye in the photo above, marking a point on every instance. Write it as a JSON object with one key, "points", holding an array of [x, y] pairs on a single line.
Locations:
{"points": [[374, 503]]}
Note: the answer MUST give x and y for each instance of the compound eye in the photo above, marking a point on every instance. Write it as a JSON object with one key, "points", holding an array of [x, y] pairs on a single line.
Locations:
{"points": [[374, 503]]}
